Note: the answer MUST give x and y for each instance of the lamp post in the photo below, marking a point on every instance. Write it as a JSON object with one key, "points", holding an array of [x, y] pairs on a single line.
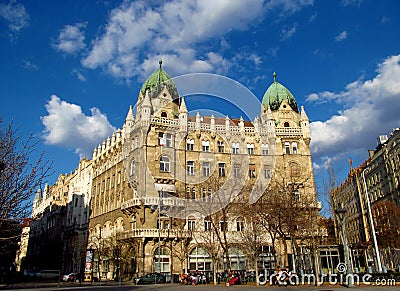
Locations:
{"points": [[160, 193], [377, 253], [341, 213]]}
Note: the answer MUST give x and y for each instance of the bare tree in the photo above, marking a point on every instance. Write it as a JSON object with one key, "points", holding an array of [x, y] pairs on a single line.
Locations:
{"points": [[253, 235], [21, 173]]}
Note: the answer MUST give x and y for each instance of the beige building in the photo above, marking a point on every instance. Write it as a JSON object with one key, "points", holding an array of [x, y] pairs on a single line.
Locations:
{"points": [[153, 179]]}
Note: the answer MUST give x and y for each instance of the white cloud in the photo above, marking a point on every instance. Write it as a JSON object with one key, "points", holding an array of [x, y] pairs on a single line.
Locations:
{"points": [[346, 3], [175, 30], [15, 15], [287, 32], [29, 65], [341, 36], [71, 39], [79, 75], [67, 126], [370, 108]]}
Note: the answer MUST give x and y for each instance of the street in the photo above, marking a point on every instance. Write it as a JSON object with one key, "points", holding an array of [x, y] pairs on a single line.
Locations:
{"points": [[111, 286]]}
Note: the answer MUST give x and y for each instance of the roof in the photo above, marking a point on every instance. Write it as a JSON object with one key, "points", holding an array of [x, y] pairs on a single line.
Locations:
{"points": [[275, 94], [157, 78]]}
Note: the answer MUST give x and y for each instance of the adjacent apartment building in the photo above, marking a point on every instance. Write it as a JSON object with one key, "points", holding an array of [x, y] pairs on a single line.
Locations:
{"points": [[371, 196]]}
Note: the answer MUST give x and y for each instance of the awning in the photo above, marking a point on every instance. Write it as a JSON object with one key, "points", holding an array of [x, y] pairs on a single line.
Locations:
{"points": [[165, 187]]}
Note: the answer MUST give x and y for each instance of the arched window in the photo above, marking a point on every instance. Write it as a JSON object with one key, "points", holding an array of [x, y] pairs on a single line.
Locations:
{"points": [[237, 259], [133, 168], [164, 164], [199, 260], [161, 260]]}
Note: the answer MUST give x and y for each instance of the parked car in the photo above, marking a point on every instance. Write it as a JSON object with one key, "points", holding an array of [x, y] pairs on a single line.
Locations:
{"points": [[151, 278], [48, 274], [71, 277]]}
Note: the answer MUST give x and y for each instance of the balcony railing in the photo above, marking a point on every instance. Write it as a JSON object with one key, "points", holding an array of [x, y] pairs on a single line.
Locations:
{"points": [[153, 233], [288, 131], [130, 203]]}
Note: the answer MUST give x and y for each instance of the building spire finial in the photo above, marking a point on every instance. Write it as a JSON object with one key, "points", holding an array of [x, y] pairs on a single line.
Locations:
{"points": [[274, 77], [160, 62]]}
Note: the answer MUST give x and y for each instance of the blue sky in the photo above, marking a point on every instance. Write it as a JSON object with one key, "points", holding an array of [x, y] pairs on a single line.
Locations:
{"points": [[70, 69]]}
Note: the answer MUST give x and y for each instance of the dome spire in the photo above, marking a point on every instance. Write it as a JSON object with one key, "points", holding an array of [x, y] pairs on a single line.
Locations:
{"points": [[274, 77]]}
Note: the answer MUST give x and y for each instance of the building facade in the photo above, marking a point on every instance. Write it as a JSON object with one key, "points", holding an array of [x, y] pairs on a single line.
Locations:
{"points": [[370, 194], [153, 178], [165, 185]]}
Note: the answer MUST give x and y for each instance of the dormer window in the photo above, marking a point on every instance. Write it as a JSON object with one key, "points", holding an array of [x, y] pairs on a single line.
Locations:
{"points": [[164, 114], [286, 124]]}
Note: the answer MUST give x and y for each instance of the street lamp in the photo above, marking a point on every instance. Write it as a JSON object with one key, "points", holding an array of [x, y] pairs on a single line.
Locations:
{"points": [[341, 213], [377, 253]]}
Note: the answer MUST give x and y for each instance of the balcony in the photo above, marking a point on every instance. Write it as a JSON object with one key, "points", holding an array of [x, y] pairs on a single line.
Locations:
{"points": [[134, 202], [288, 131], [153, 233]]}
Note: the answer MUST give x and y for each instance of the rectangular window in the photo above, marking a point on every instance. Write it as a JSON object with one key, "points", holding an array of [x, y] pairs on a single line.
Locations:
{"points": [[252, 170], [168, 138], [206, 169], [207, 225], [267, 173], [205, 146], [250, 149], [221, 169], [119, 178], [165, 139], [294, 148], [220, 146], [287, 148], [236, 170], [190, 145], [193, 193], [264, 149], [190, 168], [235, 148], [223, 225], [239, 225], [191, 224]]}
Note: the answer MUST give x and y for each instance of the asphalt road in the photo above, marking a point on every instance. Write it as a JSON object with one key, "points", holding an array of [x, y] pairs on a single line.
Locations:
{"points": [[111, 286]]}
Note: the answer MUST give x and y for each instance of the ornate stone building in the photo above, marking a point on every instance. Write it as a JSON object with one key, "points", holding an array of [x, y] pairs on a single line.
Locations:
{"points": [[157, 181]]}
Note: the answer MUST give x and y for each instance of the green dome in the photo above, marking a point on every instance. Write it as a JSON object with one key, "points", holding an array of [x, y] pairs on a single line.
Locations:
{"points": [[275, 95], [157, 78]]}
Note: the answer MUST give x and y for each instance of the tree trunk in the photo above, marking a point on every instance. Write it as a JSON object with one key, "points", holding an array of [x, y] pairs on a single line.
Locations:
{"points": [[257, 279], [215, 271]]}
